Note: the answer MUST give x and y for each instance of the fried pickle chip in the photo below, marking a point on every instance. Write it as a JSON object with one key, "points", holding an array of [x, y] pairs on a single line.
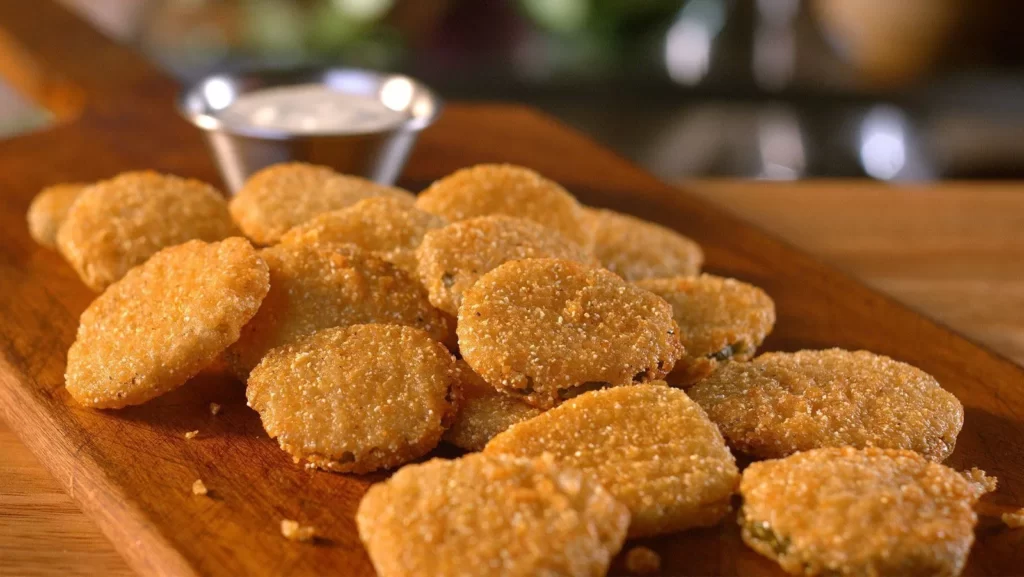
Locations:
{"points": [[117, 224], [388, 228], [483, 412], [452, 258], [164, 321], [312, 288], [782, 403], [49, 209], [286, 195], [506, 189], [719, 319], [548, 329], [357, 398], [651, 446], [490, 515], [636, 249], [846, 511]]}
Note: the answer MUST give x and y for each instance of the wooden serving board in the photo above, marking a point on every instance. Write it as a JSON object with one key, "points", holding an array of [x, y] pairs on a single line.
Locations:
{"points": [[132, 470]]}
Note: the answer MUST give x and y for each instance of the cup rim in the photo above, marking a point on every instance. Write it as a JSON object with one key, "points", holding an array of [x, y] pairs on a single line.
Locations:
{"points": [[193, 103]]}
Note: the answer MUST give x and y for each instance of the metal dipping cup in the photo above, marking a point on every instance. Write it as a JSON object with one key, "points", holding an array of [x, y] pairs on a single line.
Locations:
{"points": [[242, 150]]}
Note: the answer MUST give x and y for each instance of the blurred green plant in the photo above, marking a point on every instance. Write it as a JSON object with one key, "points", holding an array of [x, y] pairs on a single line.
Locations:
{"points": [[608, 18]]}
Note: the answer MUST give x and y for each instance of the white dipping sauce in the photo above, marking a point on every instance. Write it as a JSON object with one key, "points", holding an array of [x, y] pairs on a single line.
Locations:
{"points": [[310, 109]]}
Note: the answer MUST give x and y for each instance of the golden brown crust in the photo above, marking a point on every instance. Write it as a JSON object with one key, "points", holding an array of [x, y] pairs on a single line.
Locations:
{"points": [[358, 398], [117, 224], [983, 482], [389, 229], [49, 209], [872, 512], [786, 402], [164, 321], [484, 412], [546, 329], [453, 258], [313, 288], [507, 189], [651, 446], [636, 249], [286, 195], [490, 514], [719, 319]]}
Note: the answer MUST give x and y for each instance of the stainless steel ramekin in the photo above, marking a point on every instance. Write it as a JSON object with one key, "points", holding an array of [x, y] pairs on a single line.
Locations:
{"points": [[377, 155]]}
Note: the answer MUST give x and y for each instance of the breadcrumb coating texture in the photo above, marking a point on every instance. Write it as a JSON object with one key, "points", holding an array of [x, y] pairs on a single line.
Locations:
{"points": [[49, 209], [846, 511], [484, 412], [286, 195], [637, 249], [548, 329], [164, 321], [119, 223], [493, 515], [453, 258], [781, 403], [651, 446], [387, 228], [356, 399], [507, 189], [983, 482], [720, 319], [313, 288]]}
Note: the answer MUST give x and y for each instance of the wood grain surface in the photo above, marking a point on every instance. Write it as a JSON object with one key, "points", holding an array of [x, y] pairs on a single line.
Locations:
{"points": [[976, 287], [953, 251], [132, 470]]}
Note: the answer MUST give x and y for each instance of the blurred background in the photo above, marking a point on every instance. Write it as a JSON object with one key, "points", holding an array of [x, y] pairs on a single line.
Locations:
{"points": [[766, 89]]}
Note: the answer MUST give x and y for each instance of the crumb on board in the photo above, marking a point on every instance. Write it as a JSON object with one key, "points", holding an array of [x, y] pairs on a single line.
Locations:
{"points": [[642, 561], [191, 434], [214, 408], [295, 532], [1014, 519], [984, 482], [199, 488]]}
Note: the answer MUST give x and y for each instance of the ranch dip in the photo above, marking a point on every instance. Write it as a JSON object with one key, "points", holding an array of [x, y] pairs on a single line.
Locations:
{"points": [[310, 109]]}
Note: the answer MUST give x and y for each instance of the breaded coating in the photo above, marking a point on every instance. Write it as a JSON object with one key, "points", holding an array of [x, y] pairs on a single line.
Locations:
{"points": [[313, 288], [358, 398], [286, 195], [548, 329], [484, 412], [452, 258], [984, 482], [869, 512], [642, 561], [199, 488], [164, 321], [490, 515], [720, 319], [782, 403], [49, 209], [651, 446], [388, 228], [636, 249], [117, 224], [507, 189]]}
